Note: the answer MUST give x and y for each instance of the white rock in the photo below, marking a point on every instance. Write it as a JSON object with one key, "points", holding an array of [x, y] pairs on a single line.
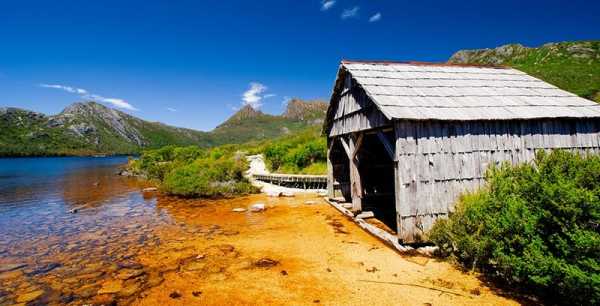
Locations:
{"points": [[149, 189], [258, 207], [274, 194], [239, 209], [288, 194]]}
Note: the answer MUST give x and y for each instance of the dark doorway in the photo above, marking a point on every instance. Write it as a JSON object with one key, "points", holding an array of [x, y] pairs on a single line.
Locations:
{"points": [[341, 171], [378, 179]]}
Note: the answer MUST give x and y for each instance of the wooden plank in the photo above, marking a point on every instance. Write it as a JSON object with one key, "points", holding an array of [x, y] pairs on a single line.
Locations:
{"points": [[358, 145], [330, 179]]}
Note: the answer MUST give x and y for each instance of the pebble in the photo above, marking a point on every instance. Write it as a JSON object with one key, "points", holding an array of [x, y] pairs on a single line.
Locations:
{"points": [[44, 269], [274, 194], [258, 207], [130, 289], [238, 209], [149, 189], [266, 263], [111, 286], [129, 273], [30, 296], [10, 267]]}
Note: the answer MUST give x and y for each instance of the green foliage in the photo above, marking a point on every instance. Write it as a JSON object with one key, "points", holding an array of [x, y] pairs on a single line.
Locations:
{"points": [[304, 152], [195, 172], [534, 227]]}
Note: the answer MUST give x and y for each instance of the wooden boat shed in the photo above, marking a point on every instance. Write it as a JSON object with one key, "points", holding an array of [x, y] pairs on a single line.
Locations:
{"points": [[405, 139]]}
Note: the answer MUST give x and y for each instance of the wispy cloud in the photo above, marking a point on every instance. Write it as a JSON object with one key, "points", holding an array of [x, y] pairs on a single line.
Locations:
{"points": [[172, 110], [269, 96], [327, 4], [375, 17], [285, 101], [254, 95], [66, 88], [85, 94], [350, 13]]}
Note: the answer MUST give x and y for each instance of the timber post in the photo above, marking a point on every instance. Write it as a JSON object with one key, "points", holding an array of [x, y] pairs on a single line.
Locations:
{"points": [[355, 180], [330, 179]]}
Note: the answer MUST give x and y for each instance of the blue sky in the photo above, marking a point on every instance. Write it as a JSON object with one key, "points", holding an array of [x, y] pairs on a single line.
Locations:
{"points": [[192, 63]]}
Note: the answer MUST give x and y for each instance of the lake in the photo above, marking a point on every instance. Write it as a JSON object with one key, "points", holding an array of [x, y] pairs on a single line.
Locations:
{"points": [[61, 216]]}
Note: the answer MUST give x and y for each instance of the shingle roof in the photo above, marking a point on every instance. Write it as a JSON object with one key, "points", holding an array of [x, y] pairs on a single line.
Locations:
{"points": [[459, 92]]}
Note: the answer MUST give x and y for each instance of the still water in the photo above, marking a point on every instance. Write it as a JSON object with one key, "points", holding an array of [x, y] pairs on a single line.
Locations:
{"points": [[65, 223]]}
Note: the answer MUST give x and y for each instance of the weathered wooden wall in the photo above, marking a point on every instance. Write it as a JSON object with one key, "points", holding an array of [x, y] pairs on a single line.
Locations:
{"points": [[354, 111], [438, 160]]}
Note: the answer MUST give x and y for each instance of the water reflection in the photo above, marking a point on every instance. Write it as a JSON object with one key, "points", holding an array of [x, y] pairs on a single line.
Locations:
{"points": [[50, 255]]}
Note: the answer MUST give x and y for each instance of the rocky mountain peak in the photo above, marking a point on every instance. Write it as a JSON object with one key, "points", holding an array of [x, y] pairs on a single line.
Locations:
{"points": [[496, 56], [244, 113], [304, 110]]}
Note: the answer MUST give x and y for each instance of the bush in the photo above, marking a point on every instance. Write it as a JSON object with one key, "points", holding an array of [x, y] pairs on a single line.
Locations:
{"points": [[195, 172], [302, 153], [535, 226]]}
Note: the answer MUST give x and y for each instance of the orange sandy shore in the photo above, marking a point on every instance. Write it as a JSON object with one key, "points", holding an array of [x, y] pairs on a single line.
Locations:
{"points": [[321, 258]]}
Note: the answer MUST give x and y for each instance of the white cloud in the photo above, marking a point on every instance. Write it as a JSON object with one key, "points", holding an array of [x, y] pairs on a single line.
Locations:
{"points": [[66, 88], [349, 13], [253, 96], [269, 96], [285, 101], [327, 4], [173, 110], [375, 17], [120, 103]]}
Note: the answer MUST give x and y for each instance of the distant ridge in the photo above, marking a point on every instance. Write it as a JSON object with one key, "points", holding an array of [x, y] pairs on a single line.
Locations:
{"points": [[250, 124], [572, 66], [87, 128]]}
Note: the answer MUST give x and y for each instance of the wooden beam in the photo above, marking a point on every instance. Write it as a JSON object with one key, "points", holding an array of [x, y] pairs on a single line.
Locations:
{"points": [[355, 181], [358, 145], [346, 147], [388, 146], [330, 178]]}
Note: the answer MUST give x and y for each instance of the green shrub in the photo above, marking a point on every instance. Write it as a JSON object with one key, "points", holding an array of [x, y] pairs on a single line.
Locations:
{"points": [[295, 154], [195, 172], [535, 226], [186, 181]]}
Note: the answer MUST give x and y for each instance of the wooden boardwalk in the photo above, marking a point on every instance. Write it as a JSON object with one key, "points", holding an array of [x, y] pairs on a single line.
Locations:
{"points": [[303, 181]]}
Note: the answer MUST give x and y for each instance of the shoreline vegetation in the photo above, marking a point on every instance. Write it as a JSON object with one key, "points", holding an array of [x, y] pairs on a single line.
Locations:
{"points": [[534, 228], [195, 172]]}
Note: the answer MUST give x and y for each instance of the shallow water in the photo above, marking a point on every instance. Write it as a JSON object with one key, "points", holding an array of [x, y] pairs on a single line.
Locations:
{"points": [[60, 217]]}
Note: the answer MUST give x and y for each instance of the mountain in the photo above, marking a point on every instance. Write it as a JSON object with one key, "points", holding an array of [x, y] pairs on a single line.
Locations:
{"points": [[312, 111], [249, 124], [572, 66], [86, 128]]}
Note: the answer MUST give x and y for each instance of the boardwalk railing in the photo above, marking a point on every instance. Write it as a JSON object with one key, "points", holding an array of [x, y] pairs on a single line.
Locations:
{"points": [[303, 181]]}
